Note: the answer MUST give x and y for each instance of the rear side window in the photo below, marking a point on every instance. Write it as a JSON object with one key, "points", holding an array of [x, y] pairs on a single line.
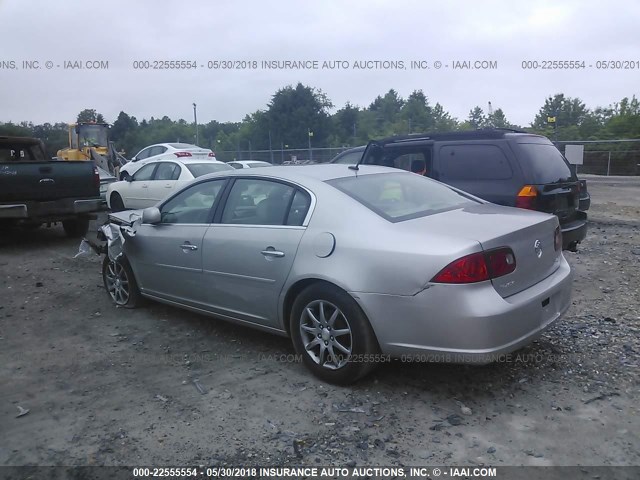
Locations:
{"points": [[543, 163], [20, 153], [168, 171], [473, 162], [401, 196]]}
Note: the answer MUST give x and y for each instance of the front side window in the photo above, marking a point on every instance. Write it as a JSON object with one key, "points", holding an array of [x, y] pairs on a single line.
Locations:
{"points": [[258, 202], [400, 196], [145, 173], [193, 205]]}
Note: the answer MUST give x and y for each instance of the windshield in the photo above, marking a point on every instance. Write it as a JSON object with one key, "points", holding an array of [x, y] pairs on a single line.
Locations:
{"points": [[545, 163], [93, 135], [349, 158], [199, 169], [400, 196]]}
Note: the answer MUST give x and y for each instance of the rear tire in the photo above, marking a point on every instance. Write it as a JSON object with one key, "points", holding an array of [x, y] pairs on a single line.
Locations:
{"points": [[120, 282], [117, 205], [332, 334], [76, 228]]}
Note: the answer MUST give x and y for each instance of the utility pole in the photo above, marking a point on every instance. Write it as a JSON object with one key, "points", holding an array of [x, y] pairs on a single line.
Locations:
{"points": [[310, 151], [195, 120], [270, 149]]}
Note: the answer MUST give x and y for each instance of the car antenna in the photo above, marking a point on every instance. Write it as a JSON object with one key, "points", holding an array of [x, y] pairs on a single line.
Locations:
{"points": [[356, 167]]}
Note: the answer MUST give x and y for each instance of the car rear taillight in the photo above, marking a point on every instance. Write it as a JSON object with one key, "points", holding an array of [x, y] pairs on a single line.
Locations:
{"points": [[527, 197], [557, 239], [182, 154], [501, 262], [478, 267], [212, 154], [96, 177]]}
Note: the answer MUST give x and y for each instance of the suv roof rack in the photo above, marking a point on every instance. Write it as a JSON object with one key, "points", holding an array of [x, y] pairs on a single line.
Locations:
{"points": [[454, 135]]}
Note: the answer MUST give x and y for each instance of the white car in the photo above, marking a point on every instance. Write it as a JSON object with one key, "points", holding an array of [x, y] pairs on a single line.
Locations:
{"points": [[249, 164], [165, 151], [156, 180]]}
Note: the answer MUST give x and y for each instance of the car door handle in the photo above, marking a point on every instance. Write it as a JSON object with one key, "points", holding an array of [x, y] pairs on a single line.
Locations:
{"points": [[168, 185], [145, 186], [272, 253], [188, 246]]}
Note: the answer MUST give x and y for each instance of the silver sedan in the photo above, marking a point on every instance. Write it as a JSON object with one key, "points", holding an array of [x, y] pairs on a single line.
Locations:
{"points": [[356, 266]]}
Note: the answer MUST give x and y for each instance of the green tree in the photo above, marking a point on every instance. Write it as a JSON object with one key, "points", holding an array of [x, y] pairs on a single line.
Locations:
{"points": [[90, 115], [417, 114], [292, 113], [569, 114], [345, 125], [477, 118]]}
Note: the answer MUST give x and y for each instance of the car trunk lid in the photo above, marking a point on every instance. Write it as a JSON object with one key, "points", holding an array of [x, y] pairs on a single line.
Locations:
{"points": [[530, 235]]}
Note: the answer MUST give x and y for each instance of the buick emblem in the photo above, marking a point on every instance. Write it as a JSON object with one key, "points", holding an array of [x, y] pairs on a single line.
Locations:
{"points": [[537, 246]]}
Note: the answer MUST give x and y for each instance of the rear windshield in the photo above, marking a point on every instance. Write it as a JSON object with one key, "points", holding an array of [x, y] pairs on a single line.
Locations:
{"points": [[258, 165], [544, 163], [199, 169], [401, 196], [20, 152], [182, 145]]}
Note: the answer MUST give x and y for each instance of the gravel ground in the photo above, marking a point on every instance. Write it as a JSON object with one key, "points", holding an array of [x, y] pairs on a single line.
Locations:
{"points": [[161, 386]]}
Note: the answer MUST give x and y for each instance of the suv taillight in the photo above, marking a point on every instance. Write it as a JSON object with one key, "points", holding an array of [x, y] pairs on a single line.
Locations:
{"points": [[557, 239], [212, 154], [478, 267], [527, 197], [182, 154], [96, 177]]}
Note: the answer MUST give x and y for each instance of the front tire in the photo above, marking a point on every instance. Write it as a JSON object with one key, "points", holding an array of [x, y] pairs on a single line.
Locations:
{"points": [[117, 205], [332, 334], [76, 228], [120, 283]]}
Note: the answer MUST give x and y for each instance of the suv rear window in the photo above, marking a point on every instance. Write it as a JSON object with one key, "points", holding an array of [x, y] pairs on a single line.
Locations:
{"points": [[544, 163], [473, 162], [400, 196]]}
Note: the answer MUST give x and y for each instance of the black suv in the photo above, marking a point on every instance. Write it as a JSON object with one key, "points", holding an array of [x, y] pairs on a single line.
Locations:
{"points": [[507, 167]]}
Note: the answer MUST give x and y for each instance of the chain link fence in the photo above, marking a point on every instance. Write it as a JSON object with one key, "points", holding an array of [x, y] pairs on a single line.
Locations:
{"points": [[608, 157], [282, 155]]}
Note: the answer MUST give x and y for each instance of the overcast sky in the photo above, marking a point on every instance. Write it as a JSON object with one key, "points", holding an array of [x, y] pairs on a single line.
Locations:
{"points": [[122, 32]]}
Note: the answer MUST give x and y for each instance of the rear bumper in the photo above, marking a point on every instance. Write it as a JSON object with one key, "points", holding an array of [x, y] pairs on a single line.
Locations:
{"points": [[50, 211], [574, 232], [465, 323]]}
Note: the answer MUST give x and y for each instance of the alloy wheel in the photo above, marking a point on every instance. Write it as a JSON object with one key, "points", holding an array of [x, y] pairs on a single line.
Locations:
{"points": [[326, 334], [117, 283]]}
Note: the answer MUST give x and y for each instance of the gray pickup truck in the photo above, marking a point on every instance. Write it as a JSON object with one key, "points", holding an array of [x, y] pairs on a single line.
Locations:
{"points": [[36, 190]]}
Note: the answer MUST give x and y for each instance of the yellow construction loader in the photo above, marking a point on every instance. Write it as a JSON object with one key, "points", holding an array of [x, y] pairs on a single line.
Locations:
{"points": [[90, 141]]}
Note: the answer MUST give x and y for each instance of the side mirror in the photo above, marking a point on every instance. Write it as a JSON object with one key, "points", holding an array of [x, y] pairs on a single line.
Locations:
{"points": [[128, 178], [151, 215], [133, 159]]}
